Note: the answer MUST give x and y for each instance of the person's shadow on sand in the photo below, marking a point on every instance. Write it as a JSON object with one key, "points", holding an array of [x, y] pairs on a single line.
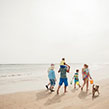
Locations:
{"points": [[42, 95], [83, 95], [96, 96], [55, 99], [74, 90]]}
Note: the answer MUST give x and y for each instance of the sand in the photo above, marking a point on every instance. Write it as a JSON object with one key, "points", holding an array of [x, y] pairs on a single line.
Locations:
{"points": [[73, 99]]}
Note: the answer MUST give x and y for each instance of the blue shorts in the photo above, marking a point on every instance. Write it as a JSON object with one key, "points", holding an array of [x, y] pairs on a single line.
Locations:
{"points": [[63, 80], [62, 66], [52, 82], [76, 80]]}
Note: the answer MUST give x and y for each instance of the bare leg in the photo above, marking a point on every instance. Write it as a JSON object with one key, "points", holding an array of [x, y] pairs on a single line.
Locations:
{"points": [[48, 84], [58, 89], [83, 85], [75, 85], [51, 87], [87, 85], [65, 89], [79, 85]]}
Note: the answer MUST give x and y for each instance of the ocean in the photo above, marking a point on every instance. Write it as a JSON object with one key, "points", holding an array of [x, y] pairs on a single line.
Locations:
{"points": [[28, 77]]}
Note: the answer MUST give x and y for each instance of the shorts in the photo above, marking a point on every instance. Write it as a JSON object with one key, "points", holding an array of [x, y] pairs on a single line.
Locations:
{"points": [[76, 80], [63, 80], [86, 79], [62, 66], [52, 82]]}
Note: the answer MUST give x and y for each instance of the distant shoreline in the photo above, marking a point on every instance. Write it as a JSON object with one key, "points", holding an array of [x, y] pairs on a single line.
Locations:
{"points": [[48, 63]]}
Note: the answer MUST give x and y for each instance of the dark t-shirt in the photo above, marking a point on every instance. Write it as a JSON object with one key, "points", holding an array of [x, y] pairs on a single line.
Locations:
{"points": [[63, 72]]}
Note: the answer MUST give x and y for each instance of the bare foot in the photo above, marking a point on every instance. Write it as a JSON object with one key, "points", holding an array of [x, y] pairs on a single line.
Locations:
{"points": [[81, 88], [65, 92], [57, 92], [87, 90]]}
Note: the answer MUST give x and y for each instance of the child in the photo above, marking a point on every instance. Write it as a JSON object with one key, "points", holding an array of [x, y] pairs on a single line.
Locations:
{"points": [[62, 64], [76, 79], [50, 68], [52, 78], [85, 76]]}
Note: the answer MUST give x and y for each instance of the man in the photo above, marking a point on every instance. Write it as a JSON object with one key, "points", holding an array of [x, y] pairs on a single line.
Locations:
{"points": [[63, 78]]}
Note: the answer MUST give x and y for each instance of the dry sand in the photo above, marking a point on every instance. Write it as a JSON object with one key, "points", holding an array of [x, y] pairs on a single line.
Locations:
{"points": [[73, 99]]}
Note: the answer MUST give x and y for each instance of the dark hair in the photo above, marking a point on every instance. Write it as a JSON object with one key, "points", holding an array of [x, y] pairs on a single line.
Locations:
{"points": [[77, 70], [63, 59], [86, 65]]}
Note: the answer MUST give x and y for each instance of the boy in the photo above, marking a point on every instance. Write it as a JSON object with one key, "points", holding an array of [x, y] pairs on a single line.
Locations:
{"points": [[76, 79], [62, 64], [52, 78]]}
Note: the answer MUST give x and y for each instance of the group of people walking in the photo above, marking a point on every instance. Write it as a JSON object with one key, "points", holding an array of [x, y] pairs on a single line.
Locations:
{"points": [[63, 70]]}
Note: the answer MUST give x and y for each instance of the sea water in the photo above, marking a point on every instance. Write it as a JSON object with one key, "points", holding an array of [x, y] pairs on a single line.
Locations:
{"points": [[27, 77]]}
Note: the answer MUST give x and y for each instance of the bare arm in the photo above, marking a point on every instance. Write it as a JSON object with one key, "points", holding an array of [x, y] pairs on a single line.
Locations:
{"points": [[90, 76], [73, 77], [59, 71], [67, 65], [68, 68]]}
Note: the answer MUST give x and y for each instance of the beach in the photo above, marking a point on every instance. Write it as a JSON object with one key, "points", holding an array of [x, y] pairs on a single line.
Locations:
{"points": [[25, 88], [43, 99], [53, 53]]}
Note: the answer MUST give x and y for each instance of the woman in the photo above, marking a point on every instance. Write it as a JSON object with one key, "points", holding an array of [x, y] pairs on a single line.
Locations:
{"points": [[85, 76]]}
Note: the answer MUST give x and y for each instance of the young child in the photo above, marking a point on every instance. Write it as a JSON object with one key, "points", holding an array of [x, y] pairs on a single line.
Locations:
{"points": [[85, 76], [52, 78], [62, 64], [50, 68], [76, 79]]}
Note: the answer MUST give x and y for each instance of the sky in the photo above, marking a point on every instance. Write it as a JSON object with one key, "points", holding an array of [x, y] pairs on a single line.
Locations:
{"points": [[44, 31]]}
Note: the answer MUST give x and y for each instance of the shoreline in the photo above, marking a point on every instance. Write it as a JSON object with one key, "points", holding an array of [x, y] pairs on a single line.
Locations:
{"points": [[33, 77], [37, 90]]}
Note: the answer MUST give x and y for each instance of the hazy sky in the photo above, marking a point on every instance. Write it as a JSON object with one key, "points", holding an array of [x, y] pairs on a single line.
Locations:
{"points": [[44, 31]]}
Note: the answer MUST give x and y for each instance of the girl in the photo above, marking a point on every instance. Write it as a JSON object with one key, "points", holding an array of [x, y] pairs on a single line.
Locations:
{"points": [[85, 76]]}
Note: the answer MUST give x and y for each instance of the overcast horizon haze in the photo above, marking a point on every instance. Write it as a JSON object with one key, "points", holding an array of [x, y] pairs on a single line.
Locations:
{"points": [[44, 31]]}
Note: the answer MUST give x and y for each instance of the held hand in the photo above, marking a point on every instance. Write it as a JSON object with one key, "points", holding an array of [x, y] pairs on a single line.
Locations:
{"points": [[90, 77]]}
